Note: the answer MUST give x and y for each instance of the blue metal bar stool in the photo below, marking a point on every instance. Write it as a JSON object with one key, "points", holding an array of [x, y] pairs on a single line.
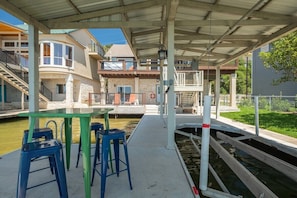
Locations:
{"points": [[116, 135], [38, 135], [97, 127], [50, 148]]}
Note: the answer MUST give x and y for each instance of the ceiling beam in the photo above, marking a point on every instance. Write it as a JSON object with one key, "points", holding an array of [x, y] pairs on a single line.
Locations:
{"points": [[141, 33], [220, 45], [108, 11], [214, 37], [228, 23], [233, 10], [106, 24]]}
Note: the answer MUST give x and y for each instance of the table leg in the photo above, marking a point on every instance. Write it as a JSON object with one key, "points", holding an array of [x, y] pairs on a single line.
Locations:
{"points": [[68, 139], [85, 143]]}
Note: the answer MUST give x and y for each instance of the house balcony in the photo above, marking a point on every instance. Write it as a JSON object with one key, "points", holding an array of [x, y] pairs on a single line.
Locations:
{"points": [[186, 81], [127, 69], [96, 51]]}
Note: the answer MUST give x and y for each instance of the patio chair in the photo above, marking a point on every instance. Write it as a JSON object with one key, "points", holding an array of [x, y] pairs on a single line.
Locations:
{"points": [[117, 99]]}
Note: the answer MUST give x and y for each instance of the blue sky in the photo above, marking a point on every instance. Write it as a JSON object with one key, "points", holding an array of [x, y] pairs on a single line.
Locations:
{"points": [[104, 36]]}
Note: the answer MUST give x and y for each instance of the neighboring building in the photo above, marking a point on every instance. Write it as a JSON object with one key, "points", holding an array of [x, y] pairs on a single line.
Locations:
{"points": [[262, 79], [127, 82], [68, 63]]}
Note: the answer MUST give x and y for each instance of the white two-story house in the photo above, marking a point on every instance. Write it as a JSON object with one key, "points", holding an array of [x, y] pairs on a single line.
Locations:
{"points": [[67, 65]]}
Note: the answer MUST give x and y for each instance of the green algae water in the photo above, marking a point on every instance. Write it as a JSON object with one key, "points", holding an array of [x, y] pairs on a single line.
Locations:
{"points": [[279, 183], [12, 129]]}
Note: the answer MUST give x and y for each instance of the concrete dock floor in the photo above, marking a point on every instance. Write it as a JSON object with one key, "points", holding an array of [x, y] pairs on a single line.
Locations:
{"points": [[155, 170]]}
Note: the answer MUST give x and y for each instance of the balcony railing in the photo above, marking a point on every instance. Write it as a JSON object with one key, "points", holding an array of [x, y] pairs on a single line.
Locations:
{"points": [[119, 65], [117, 99], [93, 48]]}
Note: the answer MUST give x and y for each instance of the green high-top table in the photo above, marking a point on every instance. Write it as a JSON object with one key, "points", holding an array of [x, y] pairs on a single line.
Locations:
{"points": [[84, 115]]}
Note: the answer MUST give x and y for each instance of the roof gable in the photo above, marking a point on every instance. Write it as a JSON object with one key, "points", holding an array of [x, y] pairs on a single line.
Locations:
{"points": [[118, 50]]}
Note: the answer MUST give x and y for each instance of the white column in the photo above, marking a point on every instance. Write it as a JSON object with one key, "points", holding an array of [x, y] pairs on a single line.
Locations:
{"points": [[69, 91], [205, 144], [136, 85], [217, 92], [102, 90], [170, 93], [33, 68], [233, 90], [161, 89]]}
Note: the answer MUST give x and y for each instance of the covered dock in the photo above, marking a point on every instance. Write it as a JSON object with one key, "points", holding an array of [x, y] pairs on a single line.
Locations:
{"points": [[156, 170]]}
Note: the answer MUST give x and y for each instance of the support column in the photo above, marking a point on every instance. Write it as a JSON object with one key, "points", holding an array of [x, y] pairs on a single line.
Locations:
{"points": [[69, 91], [217, 91], [136, 85], [233, 90], [33, 68], [161, 89], [170, 93], [102, 90]]}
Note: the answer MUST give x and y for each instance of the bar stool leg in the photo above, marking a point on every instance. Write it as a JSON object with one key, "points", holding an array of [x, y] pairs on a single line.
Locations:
{"points": [[127, 161], [60, 174], [104, 163], [23, 175], [97, 153], [116, 148]]}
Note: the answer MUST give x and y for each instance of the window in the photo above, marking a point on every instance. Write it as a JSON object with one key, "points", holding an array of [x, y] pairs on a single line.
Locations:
{"points": [[68, 56], [125, 91], [61, 88], [56, 54], [8, 44], [46, 53]]}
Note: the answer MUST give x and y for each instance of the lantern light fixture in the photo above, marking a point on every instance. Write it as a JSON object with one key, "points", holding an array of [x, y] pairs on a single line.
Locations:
{"points": [[162, 54]]}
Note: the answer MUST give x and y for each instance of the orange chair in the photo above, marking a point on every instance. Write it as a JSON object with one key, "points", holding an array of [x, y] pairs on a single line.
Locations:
{"points": [[117, 99], [132, 98]]}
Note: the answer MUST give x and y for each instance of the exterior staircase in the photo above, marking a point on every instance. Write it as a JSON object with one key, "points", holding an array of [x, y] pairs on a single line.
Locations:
{"points": [[15, 81], [187, 98]]}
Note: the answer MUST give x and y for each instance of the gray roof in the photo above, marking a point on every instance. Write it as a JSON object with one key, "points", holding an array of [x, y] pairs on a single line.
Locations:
{"points": [[214, 32]]}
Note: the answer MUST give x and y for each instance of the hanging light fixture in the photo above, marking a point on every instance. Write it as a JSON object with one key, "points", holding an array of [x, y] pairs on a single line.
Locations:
{"points": [[162, 54]]}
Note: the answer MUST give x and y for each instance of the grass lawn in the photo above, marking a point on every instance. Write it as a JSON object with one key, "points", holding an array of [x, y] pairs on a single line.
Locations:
{"points": [[284, 123]]}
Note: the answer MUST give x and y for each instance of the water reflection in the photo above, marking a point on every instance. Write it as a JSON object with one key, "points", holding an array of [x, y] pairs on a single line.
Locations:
{"points": [[11, 130]]}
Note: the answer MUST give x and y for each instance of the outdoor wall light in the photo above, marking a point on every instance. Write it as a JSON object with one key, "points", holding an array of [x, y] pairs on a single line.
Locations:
{"points": [[162, 54]]}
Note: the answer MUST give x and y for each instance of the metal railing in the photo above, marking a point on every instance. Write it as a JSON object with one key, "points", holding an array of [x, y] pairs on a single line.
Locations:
{"points": [[119, 65], [14, 62], [46, 91], [116, 99], [96, 49]]}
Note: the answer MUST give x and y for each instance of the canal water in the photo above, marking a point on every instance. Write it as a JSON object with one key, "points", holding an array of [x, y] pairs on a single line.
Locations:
{"points": [[12, 129], [279, 183]]}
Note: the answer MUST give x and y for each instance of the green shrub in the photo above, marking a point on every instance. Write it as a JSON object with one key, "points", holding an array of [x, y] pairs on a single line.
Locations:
{"points": [[277, 104], [263, 103], [246, 103]]}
